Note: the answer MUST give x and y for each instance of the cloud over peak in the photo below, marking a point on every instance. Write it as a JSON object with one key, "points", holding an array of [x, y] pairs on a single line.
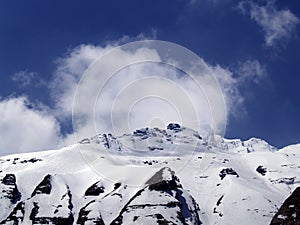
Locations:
{"points": [[132, 96]]}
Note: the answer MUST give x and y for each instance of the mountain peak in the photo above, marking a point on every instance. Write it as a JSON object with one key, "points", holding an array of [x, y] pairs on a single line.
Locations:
{"points": [[175, 139]]}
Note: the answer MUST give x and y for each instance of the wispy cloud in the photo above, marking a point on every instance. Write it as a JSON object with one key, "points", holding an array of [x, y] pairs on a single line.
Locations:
{"points": [[250, 70], [278, 25], [27, 78]]}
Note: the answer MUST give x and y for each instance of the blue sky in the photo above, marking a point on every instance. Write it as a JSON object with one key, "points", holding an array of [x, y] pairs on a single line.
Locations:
{"points": [[255, 41]]}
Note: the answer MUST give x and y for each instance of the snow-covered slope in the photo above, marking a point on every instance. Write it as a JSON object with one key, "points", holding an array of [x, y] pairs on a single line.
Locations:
{"points": [[152, 176]]}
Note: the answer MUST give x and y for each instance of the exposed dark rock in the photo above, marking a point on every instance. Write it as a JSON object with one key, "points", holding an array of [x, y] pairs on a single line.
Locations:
{"points": [[35, 205], [56, 212], [34, 212], [11, 190], [9, 179], [150, 162], [142, 132], [70, 204], [216, 210], [285, 180], [16, 216], [289, 212], [57, 209], [117, 185], [174, 126], [227, 171], [56, 220], [44, 187], [32, 160], [262, 170], [219, 213], [220, 200], [155, 148], [160, 219], [164, 185], [198, 136], [95, 190], [173, 200], [83, 216], [225, 160], [106, 141]]}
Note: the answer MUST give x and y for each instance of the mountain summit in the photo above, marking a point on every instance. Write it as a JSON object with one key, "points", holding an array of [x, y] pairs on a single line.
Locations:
{"points": [[153, 176]]}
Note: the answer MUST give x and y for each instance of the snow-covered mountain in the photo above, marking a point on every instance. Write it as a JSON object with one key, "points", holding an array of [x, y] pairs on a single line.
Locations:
{"points": [[153, 176]]}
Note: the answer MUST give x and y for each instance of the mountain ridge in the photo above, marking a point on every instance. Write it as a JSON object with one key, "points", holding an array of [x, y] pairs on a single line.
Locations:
{"points": [[218, 181]]}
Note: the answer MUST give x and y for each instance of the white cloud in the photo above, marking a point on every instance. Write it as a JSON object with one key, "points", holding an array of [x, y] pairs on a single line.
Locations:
{"points": [[25, 127], [134, 96], [277, 24], [230, 86], [25, 78], [68, 73], [251, 70], [138, 97]]}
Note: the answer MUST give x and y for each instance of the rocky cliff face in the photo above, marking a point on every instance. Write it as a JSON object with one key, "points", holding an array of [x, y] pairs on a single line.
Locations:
{"points": [[162, 200], [289, 212], [50, 202]]}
